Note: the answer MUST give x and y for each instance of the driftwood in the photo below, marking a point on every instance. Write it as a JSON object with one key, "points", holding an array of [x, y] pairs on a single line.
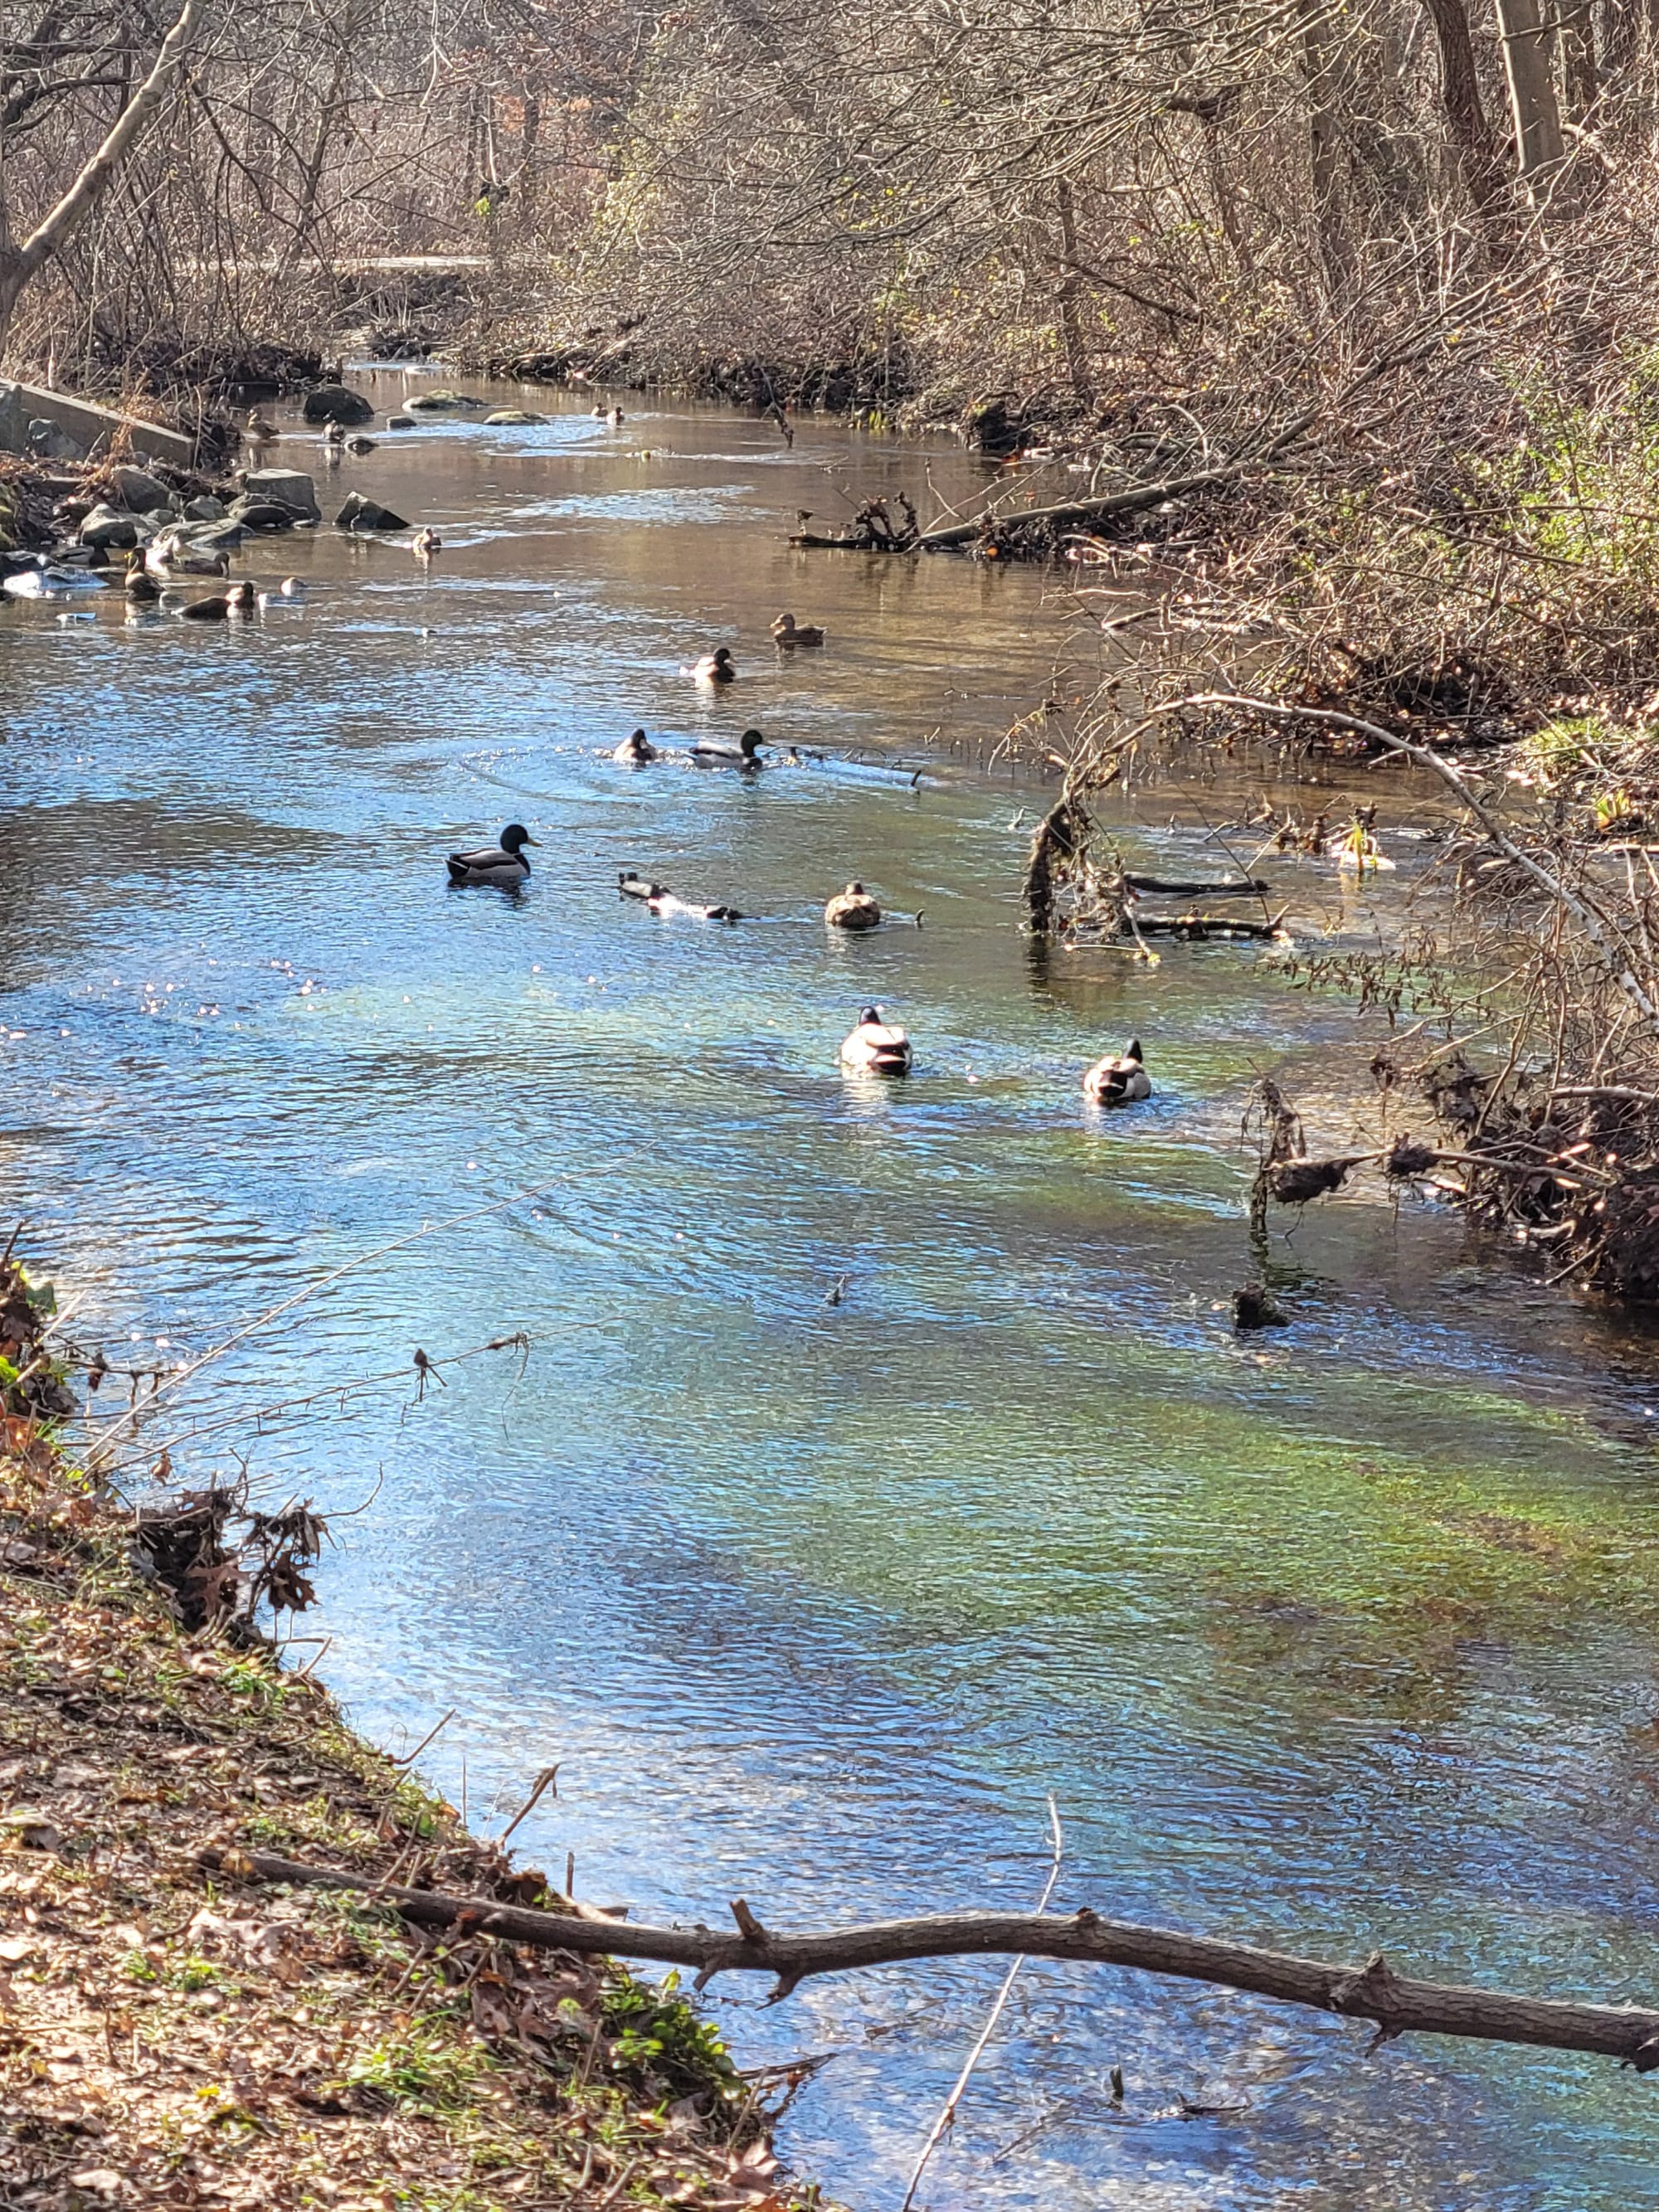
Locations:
{"points": [[1246, 887], [1196, 927], [873, 531], [1395, 2004]]}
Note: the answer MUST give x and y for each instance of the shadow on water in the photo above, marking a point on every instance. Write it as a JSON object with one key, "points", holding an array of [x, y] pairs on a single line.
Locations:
{"points": [[1337, 1638]]}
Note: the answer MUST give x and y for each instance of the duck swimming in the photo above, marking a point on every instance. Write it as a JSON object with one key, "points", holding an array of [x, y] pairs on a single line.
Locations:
{"points": [[713, 667], [635, 752], [746, 754], [426, 542], [615, 418], [852, 908], [258, 431], [1119, 1080], [786, 631], [172, 555], [238, 600], [141, 587], [334, 435], [876, 1046], [504, 864]]}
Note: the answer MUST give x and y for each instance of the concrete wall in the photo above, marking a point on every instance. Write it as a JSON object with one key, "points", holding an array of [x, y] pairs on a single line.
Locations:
{"points": [[93, 429]]}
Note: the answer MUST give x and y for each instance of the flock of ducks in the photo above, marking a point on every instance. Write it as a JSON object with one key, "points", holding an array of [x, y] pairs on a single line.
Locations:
{"points": [[874, 1045]]}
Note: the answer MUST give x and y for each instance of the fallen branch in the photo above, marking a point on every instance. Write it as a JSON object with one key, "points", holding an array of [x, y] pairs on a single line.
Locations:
{"points": [[1396, 2003]]}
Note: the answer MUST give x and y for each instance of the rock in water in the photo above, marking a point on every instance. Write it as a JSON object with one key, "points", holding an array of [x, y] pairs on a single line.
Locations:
{"points": [[360, 513], [136, 488], [513, 415], [107, 527], [1255, 1308], [336, 402], [290, 488], [262, 514]]}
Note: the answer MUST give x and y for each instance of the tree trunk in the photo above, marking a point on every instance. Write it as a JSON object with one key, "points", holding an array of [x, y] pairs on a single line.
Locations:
{"points": [[1325, 157], [1070, 327], [1532, 107], [19, 263], [1581, 78], [1466, 120]]}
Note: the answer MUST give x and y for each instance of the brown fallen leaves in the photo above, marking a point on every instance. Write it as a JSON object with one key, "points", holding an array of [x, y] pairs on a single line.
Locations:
{"points": [[166, 2041]]}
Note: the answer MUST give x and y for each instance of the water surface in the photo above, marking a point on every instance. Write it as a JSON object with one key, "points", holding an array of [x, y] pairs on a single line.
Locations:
{"points": [[1331, 1640]]}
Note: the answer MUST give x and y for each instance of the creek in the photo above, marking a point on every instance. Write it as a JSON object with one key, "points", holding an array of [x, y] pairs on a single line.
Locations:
{"points": [[1336, 1639]]}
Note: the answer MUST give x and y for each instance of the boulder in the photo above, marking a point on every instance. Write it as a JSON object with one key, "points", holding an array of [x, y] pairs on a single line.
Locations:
{"points": [[360, 513], [335, 402], [135, 489], [290, 488], [216, 537], [400, 421], [105, 527], [48, 443], [207, 508], [433, 403], [262, 514], [513, 414]]}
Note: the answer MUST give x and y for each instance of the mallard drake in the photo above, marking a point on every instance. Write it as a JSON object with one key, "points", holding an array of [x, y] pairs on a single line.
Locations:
{"points": [[1119, 1080], [635, 752], [852, 908], [238, 600], [503, 864], [786, 631], [746, 754], [713, 667], [876, 1046], [426, 542]]}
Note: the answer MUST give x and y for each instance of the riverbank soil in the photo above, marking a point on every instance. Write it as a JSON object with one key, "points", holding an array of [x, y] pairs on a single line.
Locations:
{"points": [[166, 2040]]}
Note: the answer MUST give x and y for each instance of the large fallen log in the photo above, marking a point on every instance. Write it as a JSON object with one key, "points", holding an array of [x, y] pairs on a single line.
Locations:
{"points": [[1395, 2004]]}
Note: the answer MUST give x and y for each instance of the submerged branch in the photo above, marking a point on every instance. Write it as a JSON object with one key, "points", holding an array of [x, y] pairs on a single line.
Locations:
{"points": [[1396, 2003]]}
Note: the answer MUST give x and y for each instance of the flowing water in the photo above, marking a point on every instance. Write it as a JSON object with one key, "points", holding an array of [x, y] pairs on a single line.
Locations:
{"points": [[1336, 1639]]}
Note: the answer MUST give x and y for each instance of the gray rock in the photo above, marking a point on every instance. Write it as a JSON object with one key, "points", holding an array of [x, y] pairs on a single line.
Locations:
{"points": [[290, 488], [136, 488], [433, 403], [400, 421], [107, 526], [207, 508], [513, 414], [216, 537], [360, 513], [335, 403], [159, 517], [47, 442], [262, 514]]}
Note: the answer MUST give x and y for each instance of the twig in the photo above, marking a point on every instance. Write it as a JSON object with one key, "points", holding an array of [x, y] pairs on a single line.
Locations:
{"points": [[948, 2110]]}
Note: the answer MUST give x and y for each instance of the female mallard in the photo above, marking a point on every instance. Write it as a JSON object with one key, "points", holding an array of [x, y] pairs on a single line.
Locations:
{"points": [[1120, 1080], [240, 599], [786, 631], [141, 587], [713, 667], [426, 542], [635, 752], [504, 864], [257, 430], [876, 1046], [746, 754], [852, 908], [615, 418]]}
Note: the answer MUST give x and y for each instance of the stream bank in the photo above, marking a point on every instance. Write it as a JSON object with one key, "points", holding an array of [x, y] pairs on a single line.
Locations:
{"points": [[171, 2039]]}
